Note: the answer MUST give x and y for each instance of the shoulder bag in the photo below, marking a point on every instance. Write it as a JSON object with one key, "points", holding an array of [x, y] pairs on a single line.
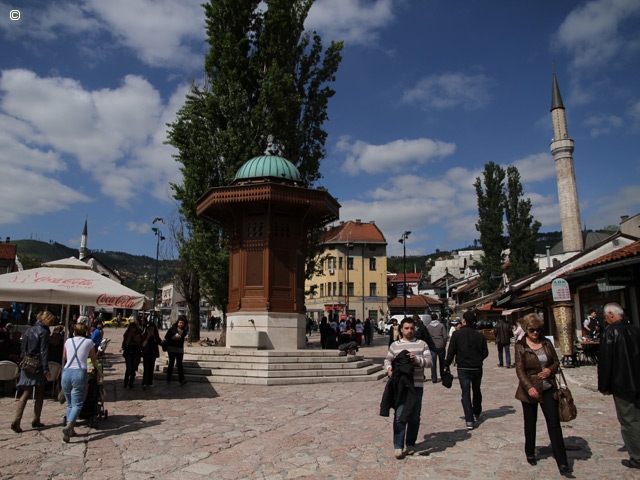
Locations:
{"points": [[566, 408], [30, 364]]}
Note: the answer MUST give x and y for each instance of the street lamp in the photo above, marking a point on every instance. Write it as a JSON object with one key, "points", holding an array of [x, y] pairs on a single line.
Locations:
{"points": [[158, 234], [403, 241]]}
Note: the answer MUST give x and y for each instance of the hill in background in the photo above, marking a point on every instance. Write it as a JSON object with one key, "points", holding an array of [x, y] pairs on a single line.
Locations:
{"points": [[137, 271]]}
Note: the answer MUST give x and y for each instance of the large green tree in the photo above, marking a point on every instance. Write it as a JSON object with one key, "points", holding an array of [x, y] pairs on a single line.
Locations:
{"points": [[266, 89], [491, 200], [521, 228]]}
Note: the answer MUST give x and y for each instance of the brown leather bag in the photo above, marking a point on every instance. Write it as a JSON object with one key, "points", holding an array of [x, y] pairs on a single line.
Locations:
{"points": [[566, 407]]}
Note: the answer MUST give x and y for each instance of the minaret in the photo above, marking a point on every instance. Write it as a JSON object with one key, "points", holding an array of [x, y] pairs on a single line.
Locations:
{"points": [[83, 251], [562, 151]]}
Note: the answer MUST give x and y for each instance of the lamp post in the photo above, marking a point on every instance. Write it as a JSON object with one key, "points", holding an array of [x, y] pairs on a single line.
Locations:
{"points": [[403, 241], [158, 234]]}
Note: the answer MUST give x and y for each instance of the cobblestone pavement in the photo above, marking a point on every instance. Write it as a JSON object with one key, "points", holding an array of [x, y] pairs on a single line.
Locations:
{"points": [[326, 431]]}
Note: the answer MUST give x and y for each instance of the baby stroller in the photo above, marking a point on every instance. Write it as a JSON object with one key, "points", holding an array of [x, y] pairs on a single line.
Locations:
{"points": [[93, 406], [103, 346]]}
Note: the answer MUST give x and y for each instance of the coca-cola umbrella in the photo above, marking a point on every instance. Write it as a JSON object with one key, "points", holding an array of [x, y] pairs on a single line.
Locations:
{"points": [[67, 282]]}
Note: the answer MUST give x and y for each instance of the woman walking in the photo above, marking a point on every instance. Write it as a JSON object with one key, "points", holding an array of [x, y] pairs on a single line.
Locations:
{"points": [[536, 366], [74, 375], [35, 344], [175, 338], [131, 350], [150, 351]]}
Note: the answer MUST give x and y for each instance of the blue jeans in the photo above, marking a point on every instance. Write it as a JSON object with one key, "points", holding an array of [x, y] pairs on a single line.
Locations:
{"points": [[410, 428], [74, 387], [470, 381], [505, 347], [437, 356]]}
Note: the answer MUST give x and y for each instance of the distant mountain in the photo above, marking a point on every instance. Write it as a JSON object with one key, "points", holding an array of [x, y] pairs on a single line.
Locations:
{"points": [[137, 271]]}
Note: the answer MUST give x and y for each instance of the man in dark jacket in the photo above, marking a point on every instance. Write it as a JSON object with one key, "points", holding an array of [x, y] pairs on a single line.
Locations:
{"points": [[503, 334], [469, 348], [619, 375]]}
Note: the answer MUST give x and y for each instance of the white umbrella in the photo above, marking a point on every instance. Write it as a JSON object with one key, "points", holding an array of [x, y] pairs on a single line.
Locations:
{"points": [[67, 282]]}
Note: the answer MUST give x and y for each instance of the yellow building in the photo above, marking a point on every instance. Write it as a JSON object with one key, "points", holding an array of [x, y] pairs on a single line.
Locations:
{"points": [[354, 278]]}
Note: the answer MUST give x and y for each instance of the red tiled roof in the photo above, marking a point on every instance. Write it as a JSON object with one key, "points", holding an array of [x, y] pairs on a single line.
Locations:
{"points": [[624, 253], [489, 307], [541, 289], [411, 277], [356, 232], [415, 301], [8, 251]]}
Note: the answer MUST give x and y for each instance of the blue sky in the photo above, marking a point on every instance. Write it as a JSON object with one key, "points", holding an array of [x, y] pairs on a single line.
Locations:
{"points": [[428, 92]]}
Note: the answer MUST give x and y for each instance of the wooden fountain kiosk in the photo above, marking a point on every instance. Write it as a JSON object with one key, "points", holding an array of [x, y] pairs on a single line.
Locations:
{"points": [[267, 216]]}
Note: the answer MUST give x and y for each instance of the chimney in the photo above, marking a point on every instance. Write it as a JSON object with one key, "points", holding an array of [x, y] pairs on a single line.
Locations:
{"points": [[9, 238], [624, 218], [358, 221]]}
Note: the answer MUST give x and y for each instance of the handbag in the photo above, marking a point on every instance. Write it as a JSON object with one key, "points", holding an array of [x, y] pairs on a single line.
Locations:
{"points": [[447, 379], [566, 407], [164, 344], [30, 365]]}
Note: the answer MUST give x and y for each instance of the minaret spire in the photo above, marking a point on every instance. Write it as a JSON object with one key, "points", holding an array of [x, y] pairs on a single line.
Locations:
{"points": [[562, 150], [83, 251]]}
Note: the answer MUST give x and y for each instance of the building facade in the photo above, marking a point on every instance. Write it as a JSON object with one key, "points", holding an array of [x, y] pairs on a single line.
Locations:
{"points": [[354, 273]]}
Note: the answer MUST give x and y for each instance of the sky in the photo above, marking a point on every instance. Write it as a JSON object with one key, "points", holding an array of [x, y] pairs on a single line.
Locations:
{"points": [[427, 93]]}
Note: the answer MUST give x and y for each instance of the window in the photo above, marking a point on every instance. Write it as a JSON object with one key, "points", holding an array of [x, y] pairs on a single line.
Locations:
{"points": [[350, 289], [341, 290], [350, 263], [322, 290], [373, 291], [372, 263], [334, 262], [329, 291], [340, 263], [335, 288]]}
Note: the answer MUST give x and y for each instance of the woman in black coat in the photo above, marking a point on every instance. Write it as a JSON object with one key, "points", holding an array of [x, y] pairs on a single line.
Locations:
{"points": [[175, 347], [35, 343], [150, 351]]}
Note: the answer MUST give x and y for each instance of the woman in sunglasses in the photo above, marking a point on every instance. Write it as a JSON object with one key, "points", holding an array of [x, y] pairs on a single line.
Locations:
{"points": [[536, 366]]}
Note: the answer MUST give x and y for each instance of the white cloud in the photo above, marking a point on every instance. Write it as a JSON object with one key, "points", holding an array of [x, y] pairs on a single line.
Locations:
{"points": [[357, 22], [625, 201], [594, 32], [116, 135], [395, 156], [449, 90], [536, 168], [161, 33], [138, 227], [602, 124]]}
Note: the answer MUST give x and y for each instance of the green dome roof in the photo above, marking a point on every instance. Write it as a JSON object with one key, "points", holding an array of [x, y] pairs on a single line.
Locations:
{"points": [[268, 166]]}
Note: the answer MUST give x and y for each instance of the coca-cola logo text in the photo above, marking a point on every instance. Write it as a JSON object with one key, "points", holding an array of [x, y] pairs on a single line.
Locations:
{"points": [[122, 301], [72, 282]]}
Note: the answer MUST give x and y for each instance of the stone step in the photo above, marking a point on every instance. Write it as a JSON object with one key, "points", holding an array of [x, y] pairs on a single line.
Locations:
{"points": [[273, 359], [223, 372], [214, 365], [274, 381]]}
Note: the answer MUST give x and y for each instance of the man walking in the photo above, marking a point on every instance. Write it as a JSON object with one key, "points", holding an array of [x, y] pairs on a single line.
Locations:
{"points": [[618, 367], [503, 334], [405, 361], [469, 348], [438, 333]]}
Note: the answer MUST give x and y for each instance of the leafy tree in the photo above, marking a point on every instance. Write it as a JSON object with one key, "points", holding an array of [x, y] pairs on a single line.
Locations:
{"points": [[266, 89], [521, 228], [491, 201]]}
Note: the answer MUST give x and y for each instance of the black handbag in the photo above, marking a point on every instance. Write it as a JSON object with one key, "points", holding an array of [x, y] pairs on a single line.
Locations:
{"points": [[30, 365], [447, 379]]}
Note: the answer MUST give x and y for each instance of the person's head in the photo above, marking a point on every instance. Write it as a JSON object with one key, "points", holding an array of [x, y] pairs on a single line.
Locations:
{"points": [[181, 322], [133, 325], [395, 321], [456, 324], [79, 330], [408, 328], [592, 314], [434, 316], [119, 315], [151, 328], [613, 312], [46, 317], [9, 327], [533, 326], [469, 318]]}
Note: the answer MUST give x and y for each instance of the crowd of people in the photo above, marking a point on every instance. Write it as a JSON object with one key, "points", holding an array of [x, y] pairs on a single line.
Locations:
{"points": [[536, 363]]}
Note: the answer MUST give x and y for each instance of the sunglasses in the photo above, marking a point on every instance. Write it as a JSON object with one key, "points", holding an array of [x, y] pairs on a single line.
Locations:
{"points": [[533, 330]]}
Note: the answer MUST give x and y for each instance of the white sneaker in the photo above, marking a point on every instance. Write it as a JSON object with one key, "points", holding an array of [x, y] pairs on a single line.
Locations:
{"points": [[398, 453]]}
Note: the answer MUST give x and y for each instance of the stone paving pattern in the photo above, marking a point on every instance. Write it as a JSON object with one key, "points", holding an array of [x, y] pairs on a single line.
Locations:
{"points": [[325, 431]]}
